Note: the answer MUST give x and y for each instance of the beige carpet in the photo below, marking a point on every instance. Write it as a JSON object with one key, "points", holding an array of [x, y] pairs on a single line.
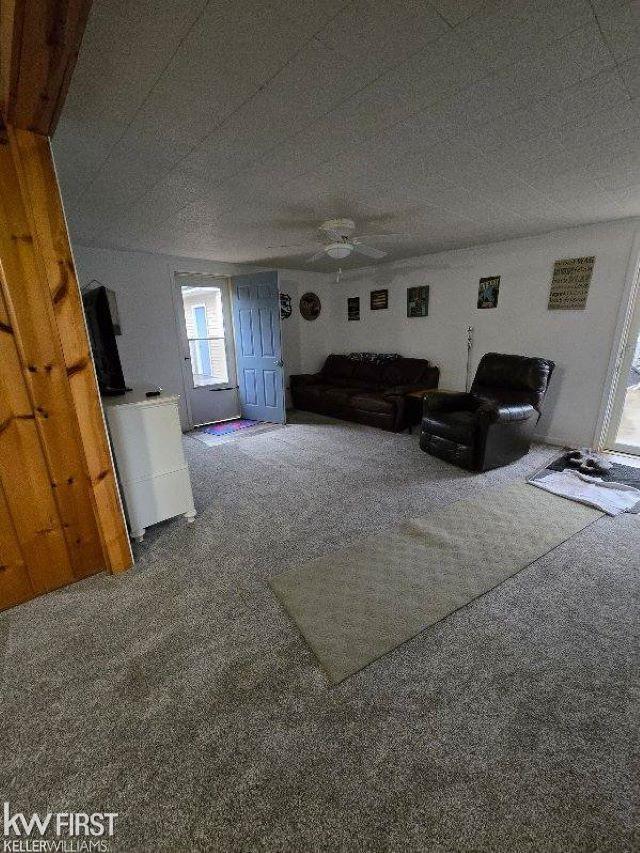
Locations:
{"points": [[358, 603]]}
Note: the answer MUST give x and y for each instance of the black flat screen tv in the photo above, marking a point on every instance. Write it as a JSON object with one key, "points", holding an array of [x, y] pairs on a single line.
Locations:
{"points": [[103, 341]]}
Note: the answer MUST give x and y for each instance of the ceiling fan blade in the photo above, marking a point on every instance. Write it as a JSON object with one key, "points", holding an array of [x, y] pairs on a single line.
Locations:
{"points": [[369, 251], [290, 246], [336, 236], [362, 237], [316, 257]]}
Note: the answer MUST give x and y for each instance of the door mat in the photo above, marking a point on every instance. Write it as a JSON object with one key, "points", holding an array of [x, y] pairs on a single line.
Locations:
{"points": [[214, 434], [355, 605]]}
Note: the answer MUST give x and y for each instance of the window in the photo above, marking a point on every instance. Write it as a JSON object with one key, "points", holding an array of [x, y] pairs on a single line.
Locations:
{"points": [[204, 314]]}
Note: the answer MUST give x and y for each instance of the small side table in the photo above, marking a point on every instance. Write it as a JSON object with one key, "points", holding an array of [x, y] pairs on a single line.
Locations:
{"points": [[415, 401]]}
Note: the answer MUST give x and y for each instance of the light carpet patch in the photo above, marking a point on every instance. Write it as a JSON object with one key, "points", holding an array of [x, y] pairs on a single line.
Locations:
{"points": [[358, 603]]}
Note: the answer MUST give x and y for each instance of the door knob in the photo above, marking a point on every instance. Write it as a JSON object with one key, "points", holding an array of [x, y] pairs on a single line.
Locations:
{"points": [[280, 363]]}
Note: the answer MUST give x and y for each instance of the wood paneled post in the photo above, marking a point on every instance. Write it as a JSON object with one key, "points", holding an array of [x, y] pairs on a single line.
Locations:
{"points": [[60, 513], [32, 154], [53, 425]]}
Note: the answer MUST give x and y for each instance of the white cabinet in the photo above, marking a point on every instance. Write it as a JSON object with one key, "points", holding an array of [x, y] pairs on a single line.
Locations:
{"points": [[147, 446]]}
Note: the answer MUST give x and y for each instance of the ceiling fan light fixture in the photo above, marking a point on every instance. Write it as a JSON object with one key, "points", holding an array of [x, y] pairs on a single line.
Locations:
{"points": [[338, 251]]}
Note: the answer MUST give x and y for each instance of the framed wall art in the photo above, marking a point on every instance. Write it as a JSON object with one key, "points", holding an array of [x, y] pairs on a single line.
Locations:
{"points": [[379, 299], [353, 308], [418, 301], [570, 284], [488, 291]]}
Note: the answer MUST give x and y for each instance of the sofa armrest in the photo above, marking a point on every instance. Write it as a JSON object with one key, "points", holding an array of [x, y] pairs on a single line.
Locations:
{"points": [[495, 414], [431, 378], [449, 402], [428, 383], [401, 390], [299, 380]]}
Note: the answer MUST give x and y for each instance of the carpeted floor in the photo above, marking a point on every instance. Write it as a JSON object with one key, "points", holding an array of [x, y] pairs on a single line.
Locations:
{"points": [[181, 696], [358, 603]]}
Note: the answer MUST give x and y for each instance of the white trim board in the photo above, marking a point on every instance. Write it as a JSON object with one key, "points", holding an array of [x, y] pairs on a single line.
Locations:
{"points": [[620, 359]]}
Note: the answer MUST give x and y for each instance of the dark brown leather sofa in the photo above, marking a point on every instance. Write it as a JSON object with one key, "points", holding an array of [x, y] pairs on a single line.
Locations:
{"points": [[493, 424], [364, 391]]}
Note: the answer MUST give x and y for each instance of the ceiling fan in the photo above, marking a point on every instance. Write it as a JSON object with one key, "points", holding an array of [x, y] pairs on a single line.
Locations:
{"points": [[340, 241]]}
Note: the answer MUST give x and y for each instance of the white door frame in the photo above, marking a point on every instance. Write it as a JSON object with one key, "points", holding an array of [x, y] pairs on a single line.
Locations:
{"points": [[214, 280], [626, 335]]}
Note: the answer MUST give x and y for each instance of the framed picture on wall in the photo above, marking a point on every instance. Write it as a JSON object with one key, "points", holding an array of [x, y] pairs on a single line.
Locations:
{"points": [[379, 299], [488, 290], [353, 308], [418, 301], [570, 284]]}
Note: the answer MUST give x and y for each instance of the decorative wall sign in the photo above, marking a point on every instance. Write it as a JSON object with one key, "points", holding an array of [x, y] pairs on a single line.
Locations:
{"points": [[570, 284], [488, 291], [379, 299], [353, 308], [310, 306], [418, 301], [285, 306]]}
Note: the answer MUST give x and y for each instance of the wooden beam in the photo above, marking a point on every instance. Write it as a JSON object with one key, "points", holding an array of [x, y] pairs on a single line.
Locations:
{"points": [[56, 474], [34, 527], [60, 509], [32, 154], [39, 43], [15, 583], [44, 373]]}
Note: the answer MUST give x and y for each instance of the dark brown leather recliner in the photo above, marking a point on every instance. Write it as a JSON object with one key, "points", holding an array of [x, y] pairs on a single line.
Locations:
{"points": [[493, 424]]}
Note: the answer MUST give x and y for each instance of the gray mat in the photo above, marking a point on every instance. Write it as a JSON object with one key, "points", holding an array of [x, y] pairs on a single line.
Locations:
{"points": [[629, 475], [358, 603]]}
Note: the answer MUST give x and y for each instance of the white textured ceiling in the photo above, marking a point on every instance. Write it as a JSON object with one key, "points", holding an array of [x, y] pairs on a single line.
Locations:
{"points": [[219, 129]]}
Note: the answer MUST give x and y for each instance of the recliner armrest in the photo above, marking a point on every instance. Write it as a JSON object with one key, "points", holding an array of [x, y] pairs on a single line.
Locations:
{"points": [[497, 414], [453, 402], [300, 379]]}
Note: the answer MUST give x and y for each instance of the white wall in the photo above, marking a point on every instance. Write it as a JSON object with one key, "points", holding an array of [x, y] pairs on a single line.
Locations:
{"points": [[149, 346], [307, 343], [579, 342]]}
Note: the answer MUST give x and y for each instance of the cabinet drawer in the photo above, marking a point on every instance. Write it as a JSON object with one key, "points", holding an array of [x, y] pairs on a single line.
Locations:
{"points": [[147, 440], [158, 498]]}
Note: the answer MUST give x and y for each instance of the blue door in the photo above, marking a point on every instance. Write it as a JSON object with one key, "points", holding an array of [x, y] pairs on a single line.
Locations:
{"points": [[256, 314]]}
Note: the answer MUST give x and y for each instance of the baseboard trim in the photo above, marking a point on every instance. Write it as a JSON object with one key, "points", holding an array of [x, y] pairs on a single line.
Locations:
{"points": [[556, 441]]}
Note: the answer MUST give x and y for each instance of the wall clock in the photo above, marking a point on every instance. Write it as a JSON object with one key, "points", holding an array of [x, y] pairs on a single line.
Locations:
{"points": [[310, 306]]}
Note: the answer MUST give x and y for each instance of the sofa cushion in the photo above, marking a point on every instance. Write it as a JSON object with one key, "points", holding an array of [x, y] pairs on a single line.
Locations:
{"points": [[338, 369], [311, 392], [335, 396], [404, 371], [367, 374], [370, 401], [454, 426]]}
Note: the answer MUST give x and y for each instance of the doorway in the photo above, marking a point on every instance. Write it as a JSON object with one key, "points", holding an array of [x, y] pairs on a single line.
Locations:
{"points": [[231, 344], [628, 434], [623, 431], [203, 313]]}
